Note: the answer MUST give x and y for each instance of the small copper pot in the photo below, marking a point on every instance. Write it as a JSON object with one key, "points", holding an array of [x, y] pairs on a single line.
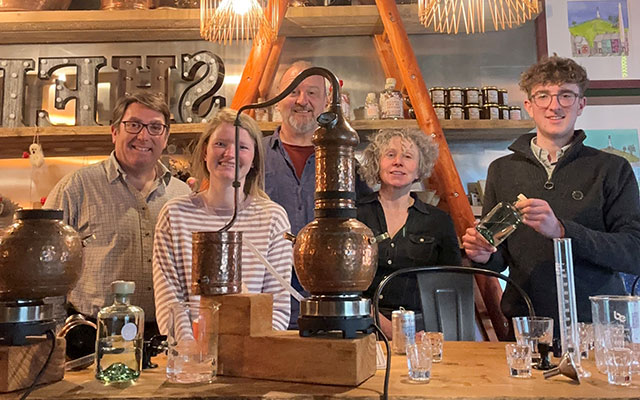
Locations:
{"points": [[40, 256]]}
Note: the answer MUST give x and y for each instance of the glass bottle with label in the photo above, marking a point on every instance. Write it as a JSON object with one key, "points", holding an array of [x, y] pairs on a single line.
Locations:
{"points": [[391, 103], [371, 107], [120, 336]]}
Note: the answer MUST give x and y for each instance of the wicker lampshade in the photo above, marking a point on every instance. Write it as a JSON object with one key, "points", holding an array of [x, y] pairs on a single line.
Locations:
{"points": [[447, 16], [225, 20]]}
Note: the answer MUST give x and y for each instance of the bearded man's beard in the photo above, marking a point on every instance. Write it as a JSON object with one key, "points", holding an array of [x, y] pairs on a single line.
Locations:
{"points": [[301, 125]]}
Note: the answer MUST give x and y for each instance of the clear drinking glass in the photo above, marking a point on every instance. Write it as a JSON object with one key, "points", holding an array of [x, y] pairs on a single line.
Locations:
{"points": [[531, 331], [193, 343], [419, 361], [518, 360], [436, 340], [618, 361]]}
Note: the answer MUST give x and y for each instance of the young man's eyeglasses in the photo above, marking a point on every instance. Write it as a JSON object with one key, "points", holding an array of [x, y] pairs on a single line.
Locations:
{"points": [[135, 127], [565, 99]]}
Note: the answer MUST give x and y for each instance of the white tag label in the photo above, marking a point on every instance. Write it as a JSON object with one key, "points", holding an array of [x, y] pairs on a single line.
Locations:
{"points": [[129, 331]]}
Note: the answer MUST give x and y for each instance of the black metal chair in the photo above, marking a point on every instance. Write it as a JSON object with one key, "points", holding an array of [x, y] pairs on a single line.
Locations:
{"points": [[447, 298]]}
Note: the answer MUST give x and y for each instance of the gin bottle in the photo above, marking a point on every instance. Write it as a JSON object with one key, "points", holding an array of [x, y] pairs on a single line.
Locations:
{"points": [[391, 103], [120, 336]]}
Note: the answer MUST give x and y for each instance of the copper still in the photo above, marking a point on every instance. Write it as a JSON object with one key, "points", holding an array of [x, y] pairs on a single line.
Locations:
{"points": [[335, 255], [40, 257]]}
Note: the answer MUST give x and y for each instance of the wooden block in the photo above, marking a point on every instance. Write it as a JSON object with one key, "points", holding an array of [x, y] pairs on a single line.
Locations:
{"points": [[244, 313], [19, 365], [285, 356]]}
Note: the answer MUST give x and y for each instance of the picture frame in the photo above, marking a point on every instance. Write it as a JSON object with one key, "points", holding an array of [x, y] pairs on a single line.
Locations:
{"points": [[553, 35]]}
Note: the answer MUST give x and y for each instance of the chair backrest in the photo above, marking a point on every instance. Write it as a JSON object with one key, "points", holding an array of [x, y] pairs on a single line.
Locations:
{"points": [[448, 304]]}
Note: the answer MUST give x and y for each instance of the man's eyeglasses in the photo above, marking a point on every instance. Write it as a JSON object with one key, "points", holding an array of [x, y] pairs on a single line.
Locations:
{"points": [[135, 127], [565, 99]]}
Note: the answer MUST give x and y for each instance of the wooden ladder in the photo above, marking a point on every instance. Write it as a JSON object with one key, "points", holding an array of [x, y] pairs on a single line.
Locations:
{"points": [[398, 61]]}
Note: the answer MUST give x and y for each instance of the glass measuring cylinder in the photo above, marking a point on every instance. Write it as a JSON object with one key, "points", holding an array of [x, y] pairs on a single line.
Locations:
{"points": [[567, 310]]}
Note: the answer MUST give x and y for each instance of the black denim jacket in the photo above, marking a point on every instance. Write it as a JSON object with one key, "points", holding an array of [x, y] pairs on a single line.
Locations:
{"points": [[427, 238]]}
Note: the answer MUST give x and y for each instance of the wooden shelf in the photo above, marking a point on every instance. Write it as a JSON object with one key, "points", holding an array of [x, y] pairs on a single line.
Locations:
{"points": [[96, 140], [184, 24]]}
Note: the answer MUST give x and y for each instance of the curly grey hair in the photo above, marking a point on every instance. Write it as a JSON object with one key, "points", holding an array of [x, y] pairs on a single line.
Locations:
{"points": [[427, 151]]}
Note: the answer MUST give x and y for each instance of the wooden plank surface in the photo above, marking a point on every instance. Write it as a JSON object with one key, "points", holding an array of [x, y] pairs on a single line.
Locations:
{"points": [[183, 24], [19, 365], [469, 371]]}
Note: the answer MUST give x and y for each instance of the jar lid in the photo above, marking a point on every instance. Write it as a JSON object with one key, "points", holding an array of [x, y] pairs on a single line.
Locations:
{"points": [[470, 105], [489, 87], [471, 88], [455, 88], [439, 105], [455, 105], [43, 213], [502, 90], [390, 81], [514, 108], [123, 287], [491, 105], [503, 106]]}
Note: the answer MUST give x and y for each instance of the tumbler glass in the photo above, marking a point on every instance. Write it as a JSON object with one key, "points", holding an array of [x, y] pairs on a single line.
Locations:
{"points": [[518, 360], [192, 355]]}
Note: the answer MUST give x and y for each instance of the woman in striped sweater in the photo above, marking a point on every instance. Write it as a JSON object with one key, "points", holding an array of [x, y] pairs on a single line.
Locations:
{"points": [[261, 220]]}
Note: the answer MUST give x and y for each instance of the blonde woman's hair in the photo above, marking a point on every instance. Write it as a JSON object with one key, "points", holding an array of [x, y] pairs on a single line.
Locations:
{"points": [[254, 182], [427, 152]]}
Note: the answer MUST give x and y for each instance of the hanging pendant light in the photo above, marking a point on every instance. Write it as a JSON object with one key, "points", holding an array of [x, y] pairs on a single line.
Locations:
{"points": [[448, 16], [225, 20]]}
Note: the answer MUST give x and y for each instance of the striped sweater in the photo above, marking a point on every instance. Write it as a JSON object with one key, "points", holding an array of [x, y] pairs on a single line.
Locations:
{"points": [[262, 222]]}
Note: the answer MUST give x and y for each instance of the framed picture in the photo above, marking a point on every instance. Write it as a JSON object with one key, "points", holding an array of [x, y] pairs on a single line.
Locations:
{"points": [[602, 35]]}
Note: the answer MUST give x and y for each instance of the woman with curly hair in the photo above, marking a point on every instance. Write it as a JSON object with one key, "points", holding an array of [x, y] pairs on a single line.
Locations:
{"points": [[414, 233]]}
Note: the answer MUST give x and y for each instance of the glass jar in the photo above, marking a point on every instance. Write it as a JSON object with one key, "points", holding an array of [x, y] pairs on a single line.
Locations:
{"points": [[515, 113], [454, 111], [440, 109], [391, 102], [454, 95], [471, 95], [489, 95], [504, 112], [438, 95], [503, 97], [472, 111], [490, 111]]}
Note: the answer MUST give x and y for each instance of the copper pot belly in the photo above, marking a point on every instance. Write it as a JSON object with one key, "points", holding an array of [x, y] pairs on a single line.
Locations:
{"points": [[40, 256], [335, 256]]}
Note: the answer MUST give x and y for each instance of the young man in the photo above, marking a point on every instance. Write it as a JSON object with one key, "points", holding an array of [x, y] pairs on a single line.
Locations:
{"points": [[118, 201], [574, 191]]}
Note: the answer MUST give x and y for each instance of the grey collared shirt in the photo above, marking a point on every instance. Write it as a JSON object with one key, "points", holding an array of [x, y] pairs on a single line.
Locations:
{"points": [[543, 155], [98, 200]]}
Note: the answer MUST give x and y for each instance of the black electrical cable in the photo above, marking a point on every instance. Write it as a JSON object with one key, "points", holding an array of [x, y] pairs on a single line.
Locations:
{"points": [[52, 337], [447, 268], [387, 370]]}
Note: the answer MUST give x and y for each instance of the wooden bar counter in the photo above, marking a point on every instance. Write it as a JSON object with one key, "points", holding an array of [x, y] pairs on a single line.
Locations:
{"points": [[470, 370]]}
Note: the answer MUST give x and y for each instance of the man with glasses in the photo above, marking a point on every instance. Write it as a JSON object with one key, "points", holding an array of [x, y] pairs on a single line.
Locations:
{"points": [[116, 203], [574, 191]]}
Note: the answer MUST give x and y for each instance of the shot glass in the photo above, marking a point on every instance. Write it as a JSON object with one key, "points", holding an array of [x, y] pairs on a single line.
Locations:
{"points": [[586, 339], [436, 339], [531, 331], [519, 360], [607, 337], [619, 360], [419, 361]]}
